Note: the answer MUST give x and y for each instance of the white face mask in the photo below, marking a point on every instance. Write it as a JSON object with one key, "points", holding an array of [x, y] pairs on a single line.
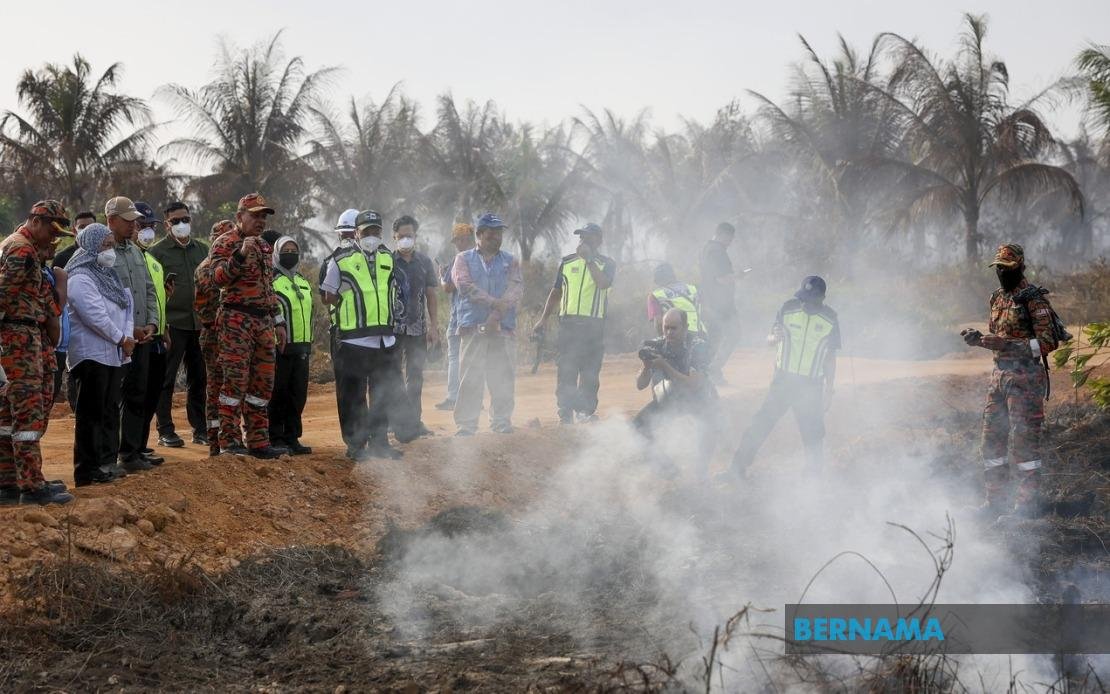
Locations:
{"points": [[106, 258], [406, 244], [146, 236], [181, 231], [370, 243]]}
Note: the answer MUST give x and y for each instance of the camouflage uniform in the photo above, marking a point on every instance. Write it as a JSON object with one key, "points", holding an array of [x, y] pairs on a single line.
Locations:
{"points": [[245, 325], [25, 305], [1014, 410]]}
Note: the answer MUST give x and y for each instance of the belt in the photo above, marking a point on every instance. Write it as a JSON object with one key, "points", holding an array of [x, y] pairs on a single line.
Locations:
{"points": [[255, 311], [1006, 364], [21, 321]]}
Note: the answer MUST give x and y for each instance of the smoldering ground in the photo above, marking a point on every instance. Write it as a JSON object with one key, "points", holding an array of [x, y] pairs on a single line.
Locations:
{"points": [[619, 561]]}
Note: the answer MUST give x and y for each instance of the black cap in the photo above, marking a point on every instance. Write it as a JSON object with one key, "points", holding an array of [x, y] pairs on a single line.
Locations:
{"points": [[271, 236], [813, 287], [590, 228], [146, 211], [368, 218]]}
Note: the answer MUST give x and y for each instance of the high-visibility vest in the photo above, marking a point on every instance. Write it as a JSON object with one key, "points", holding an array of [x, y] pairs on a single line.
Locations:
{"points": [[366, 294], [685, 301], [295, 298], [805, 343], [157, 277], [581, 297]]}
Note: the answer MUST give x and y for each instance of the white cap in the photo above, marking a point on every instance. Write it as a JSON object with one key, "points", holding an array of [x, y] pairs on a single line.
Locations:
{"points": [[346, 221]]}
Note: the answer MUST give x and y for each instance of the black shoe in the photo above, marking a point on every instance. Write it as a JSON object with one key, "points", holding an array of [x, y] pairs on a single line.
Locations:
{"points": [[152, 457], [566, 417], [171, 441], [447, 404], [356, 454], [57, 485], [9, 496], [200, 439], [464, 432], [502, 429], [422, 430], [383, 450], [115, 470], [269, 452], [45, 495], [296, 448], [97, 476], [235, 449], [135, 463]]}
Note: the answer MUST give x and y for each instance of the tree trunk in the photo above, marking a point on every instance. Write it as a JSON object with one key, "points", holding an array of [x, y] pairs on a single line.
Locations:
{"points": [[971, 236]]}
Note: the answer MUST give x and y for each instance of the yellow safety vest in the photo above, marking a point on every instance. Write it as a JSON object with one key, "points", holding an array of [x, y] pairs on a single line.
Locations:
{"points": [[581, 297], [687, 302], [805, 342], [366, 294], [297, 309], [157, 277]]}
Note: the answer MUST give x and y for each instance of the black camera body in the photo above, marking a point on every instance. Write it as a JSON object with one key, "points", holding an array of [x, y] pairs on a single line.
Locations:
{"points": [[649, 354]]}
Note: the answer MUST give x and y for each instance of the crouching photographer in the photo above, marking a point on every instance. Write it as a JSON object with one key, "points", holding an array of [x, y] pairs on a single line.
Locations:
{"points": [[676, 367]]}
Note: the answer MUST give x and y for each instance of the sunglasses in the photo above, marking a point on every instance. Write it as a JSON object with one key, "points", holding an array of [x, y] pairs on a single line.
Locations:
{"points": [[180, 220]]}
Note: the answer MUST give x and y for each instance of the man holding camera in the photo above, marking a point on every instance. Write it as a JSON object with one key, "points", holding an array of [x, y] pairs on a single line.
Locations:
{"points": [[676, 366]]}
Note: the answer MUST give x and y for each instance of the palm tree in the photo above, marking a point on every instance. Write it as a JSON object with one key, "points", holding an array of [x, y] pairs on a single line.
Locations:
{"points": [[965, 142], [463, 150], [542, 180], [248, 124], [76, 131], [374, 159], [837, 134], [1094, 63]]}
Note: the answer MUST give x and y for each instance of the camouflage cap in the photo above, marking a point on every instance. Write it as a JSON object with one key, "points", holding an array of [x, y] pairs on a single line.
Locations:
{"points": [[222, 227], [1009, 255], [56, 213], [254, 202]]}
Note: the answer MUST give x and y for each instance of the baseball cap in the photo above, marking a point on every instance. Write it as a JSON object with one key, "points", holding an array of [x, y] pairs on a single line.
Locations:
{"points": [[146, 211], [56, 213], [121, 206], [347, 220], [462, 230], [590, 228], [367, 219], [1009, 255], [254, 202], [812, 287], [490, 221]]}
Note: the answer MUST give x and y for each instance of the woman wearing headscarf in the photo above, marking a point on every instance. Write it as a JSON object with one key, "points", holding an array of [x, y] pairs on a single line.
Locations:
{"points": [[100, 343], [294, 295]]}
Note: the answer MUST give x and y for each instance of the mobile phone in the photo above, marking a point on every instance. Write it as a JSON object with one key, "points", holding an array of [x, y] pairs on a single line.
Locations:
{"points": [[170, 277]]}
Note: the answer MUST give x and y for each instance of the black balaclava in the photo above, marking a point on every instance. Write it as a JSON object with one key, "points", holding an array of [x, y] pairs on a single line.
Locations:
{"points": [[1008, 278]]}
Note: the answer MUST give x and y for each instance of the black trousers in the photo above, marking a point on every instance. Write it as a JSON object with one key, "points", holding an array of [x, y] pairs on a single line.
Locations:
{"points": [[723, 328], [701, 424], [132, 421], [581, 347], [289, 397], [96, 395], [184, 349], [156, 374], [59, 377], [413, 351], [370, 394], [788, 392]]}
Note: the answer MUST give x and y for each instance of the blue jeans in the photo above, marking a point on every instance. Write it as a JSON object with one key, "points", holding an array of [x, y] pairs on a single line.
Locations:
{"points": [[453, 344]]}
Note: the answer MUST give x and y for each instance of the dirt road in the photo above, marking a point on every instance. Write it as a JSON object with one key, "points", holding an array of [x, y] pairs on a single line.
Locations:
{"points": [[748, 373]]}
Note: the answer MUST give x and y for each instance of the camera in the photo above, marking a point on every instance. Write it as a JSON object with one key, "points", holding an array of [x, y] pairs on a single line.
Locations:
{"points": [[648, 354]]}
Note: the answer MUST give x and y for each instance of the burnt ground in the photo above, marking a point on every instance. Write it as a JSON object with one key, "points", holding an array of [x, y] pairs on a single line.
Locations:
{"points": [[180, 613]]}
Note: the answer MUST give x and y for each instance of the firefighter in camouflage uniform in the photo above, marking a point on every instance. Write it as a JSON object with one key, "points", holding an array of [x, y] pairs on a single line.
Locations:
{"points": [[206, 300], [249, 324], [27, 311], [1023, 330]]}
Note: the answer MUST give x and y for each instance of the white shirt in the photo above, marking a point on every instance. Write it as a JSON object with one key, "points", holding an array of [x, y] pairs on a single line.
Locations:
{"points": [[331, 286], [96, 324]]}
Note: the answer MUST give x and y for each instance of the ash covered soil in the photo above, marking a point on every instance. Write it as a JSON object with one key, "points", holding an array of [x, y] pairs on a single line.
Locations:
{"points": [[232, 575]]}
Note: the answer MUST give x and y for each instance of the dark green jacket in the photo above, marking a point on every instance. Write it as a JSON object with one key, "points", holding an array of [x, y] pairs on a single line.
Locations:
{"points": [[182, 260]]}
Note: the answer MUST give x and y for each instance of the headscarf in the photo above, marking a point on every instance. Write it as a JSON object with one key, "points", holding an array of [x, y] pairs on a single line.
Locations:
{"points": [[276, 261], [89, 241]]}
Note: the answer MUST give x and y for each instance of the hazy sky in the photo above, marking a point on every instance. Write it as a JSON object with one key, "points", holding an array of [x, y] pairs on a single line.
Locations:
{"points": [[540, 61]]}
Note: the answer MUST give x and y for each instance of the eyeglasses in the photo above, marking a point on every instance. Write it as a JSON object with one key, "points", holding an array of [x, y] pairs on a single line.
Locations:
{"points": [[180, 220]]}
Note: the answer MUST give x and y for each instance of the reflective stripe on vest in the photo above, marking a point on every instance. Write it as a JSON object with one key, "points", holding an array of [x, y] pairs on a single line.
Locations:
{"points": [[581, 297], [157, 277], [669, 298], [366, 295], [297, 310], [805, 343]]}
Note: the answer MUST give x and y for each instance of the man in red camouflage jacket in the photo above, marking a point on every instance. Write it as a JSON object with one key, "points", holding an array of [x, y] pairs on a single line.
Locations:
{"points": [[249, 323], [26, 308], [1021, 334], [206, 302]]}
